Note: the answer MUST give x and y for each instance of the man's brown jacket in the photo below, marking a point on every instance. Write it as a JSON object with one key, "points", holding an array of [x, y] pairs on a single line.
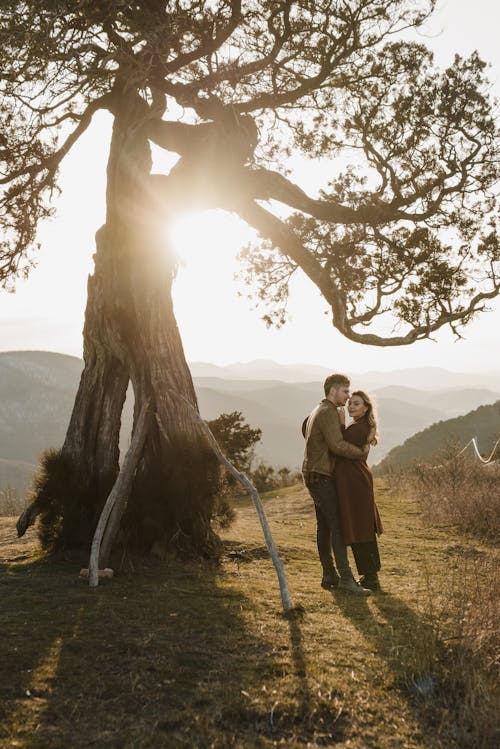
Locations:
{"points": [[324, 440]]}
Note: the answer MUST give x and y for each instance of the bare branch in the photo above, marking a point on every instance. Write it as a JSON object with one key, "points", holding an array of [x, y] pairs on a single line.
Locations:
{"points": [[208, 45], [52, 162]]}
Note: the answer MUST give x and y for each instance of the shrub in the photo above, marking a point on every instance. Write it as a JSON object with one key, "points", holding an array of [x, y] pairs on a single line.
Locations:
{"points": [[265, 478], [236, 439], [174, 503], [67, 505]]}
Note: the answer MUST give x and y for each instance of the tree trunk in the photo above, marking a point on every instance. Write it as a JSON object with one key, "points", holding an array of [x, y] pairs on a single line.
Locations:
{"points": [[174, 490], [131, 333], [91, 444]]}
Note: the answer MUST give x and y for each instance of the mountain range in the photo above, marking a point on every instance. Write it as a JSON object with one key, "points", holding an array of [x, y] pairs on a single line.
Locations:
{"points": [[421, 378], [37, 391]]}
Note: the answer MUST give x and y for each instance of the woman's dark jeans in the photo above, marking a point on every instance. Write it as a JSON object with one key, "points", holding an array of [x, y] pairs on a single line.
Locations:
{"points": [[366, 556]]}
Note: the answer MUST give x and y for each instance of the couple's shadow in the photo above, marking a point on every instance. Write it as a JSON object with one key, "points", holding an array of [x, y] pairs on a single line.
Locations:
{"points": [[401, 637]]}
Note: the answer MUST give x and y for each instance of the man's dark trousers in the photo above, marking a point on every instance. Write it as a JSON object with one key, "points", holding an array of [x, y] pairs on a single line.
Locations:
{"points": [[323, 491]]}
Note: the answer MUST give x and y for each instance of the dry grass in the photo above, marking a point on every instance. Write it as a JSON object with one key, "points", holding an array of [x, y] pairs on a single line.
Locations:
{"points": [[463, 606], [459, 491], [171, 655], [464, 611], [11, 503]]}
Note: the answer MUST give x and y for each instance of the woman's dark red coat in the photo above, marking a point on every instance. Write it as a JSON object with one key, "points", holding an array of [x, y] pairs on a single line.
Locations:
{"points": [[359, 515]]}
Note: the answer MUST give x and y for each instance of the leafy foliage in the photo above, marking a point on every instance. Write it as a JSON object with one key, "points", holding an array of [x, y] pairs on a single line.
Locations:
{"points": [[404, 239], [173, 504], [236, 438]]}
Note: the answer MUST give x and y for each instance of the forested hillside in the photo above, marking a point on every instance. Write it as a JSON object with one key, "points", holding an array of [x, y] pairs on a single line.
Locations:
{"points": [[483, 423]]}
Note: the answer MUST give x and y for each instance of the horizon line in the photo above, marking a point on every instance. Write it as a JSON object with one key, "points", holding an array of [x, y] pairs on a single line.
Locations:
{"points": [[284, 365]]}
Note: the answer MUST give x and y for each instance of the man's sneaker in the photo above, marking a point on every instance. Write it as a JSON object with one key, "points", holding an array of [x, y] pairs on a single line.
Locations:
{"points": [[330, 581], [351, 586], [370, 581]]}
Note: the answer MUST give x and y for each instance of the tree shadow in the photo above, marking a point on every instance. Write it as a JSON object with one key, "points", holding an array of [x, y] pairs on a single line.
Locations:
{"points": [[163, 657], [319, 713]]}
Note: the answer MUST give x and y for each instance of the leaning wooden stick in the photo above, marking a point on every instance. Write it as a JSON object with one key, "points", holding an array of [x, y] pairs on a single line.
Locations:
{"points": [[245, 481], [117, 499]]}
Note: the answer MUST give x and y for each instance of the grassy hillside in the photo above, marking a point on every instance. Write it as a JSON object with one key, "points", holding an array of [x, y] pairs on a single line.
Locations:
{"points": [[171, 656], [483, 423]]}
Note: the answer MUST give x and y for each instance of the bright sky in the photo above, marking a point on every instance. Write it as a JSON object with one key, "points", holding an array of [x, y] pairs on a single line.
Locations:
{"points": [[47, 311]]}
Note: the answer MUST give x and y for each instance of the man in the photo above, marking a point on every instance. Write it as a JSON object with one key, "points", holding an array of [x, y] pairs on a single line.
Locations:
{"points": [[323, 441]]}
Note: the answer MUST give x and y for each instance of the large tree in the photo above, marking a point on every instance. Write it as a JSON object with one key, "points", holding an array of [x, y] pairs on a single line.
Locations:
{"points": [[404, 232]]}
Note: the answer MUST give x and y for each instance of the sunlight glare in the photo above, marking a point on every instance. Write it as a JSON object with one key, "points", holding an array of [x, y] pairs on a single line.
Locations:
{"points": [[207, 238], [205, 291]]}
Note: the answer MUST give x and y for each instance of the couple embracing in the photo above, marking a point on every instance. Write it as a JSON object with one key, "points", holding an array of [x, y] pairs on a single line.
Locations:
{"points": [[341, 486]]}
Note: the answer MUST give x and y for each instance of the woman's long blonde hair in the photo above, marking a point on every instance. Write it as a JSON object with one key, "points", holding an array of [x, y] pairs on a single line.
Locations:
{"points": [[370, 415]]}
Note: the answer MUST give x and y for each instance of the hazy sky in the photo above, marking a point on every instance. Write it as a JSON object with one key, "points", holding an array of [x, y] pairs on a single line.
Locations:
{"points": [[217, 325]]}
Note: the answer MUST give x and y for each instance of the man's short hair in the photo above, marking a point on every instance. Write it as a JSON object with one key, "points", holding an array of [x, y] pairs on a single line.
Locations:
{"points": [[336, 381]]}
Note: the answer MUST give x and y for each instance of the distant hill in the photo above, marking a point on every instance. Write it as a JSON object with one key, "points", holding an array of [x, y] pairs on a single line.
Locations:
{"points": [[430, 378], [16, 474], [261, 369], [483, 423], [451, 402], [279, 410], [37, 390]]}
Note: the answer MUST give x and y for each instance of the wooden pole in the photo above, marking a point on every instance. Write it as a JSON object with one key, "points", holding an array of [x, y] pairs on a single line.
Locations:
{"points": [[247, 484], [116, 502]]}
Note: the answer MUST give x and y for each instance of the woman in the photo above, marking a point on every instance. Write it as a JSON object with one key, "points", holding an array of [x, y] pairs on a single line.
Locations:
{"points": [[359, 515]]}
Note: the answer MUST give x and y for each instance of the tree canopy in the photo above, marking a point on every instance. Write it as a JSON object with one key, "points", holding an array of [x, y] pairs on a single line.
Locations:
{"points": [[407, 227]]}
